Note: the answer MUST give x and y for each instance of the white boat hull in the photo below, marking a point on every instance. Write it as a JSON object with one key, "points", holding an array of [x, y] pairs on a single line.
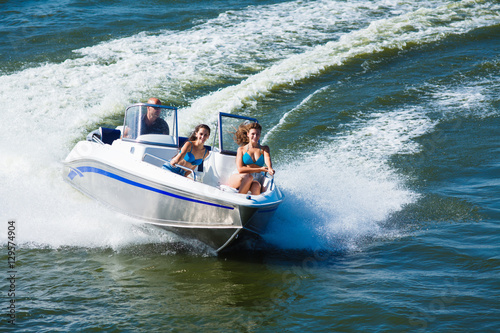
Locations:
{"points": [[114, 177]]}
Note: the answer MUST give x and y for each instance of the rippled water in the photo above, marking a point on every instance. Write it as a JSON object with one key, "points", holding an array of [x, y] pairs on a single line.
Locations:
{"points": [[383, 121]]}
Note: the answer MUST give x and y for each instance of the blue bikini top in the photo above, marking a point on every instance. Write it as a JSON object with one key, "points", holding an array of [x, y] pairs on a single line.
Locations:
{"points": [[247, 159], [190, 157]]}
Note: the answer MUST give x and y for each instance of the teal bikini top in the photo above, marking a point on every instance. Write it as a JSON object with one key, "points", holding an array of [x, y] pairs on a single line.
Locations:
{"points": [[190, 157], [247, 159]]}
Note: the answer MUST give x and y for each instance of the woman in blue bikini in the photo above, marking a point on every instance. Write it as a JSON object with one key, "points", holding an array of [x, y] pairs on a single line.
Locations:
{"points": [[192, 153], [251, 160]]}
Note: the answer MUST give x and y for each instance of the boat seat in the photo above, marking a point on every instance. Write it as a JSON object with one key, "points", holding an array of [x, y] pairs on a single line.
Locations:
{"points": [[182, 140], [106, 135]]}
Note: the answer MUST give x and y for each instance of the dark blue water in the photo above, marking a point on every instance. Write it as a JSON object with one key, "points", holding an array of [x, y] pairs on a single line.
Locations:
{"points": [[383, 121]]}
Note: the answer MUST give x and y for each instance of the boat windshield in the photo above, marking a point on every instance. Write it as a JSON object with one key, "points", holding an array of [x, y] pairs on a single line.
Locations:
{"points": [[152, 124], [228, 125]]}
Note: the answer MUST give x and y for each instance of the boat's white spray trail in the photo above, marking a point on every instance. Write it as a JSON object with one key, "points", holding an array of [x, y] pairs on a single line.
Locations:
{"points": [[286, 115], [417, 27], [342, 194]]}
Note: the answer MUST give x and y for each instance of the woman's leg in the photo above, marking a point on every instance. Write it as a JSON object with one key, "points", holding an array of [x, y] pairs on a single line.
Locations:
{"points": [[246, 182], [241, 181], [255, 188]]}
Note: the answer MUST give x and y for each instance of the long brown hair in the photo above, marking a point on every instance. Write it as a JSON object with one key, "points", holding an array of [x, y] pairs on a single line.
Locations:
{"points": [[241, 135], [196, 129]]}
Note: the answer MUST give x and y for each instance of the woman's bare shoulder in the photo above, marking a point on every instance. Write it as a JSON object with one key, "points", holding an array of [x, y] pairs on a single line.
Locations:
{"points": [[266, 148]]}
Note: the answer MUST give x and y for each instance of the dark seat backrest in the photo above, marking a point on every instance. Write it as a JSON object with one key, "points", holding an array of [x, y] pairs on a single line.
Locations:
{"points": [[108, 135]]}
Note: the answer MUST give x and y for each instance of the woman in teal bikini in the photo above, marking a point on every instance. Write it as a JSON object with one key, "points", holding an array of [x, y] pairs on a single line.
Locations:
{"points": [[192, 153], [251, 160]]}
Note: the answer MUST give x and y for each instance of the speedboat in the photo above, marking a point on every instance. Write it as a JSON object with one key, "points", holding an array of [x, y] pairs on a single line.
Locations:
{"points": [[122, 169]]}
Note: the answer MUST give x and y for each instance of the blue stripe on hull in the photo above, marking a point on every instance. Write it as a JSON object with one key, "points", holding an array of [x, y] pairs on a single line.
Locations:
{"points": [[81, 170]]}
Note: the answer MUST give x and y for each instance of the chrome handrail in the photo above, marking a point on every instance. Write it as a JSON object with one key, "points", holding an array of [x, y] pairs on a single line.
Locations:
{"points": [[176, 165], [96, 139], [153, 156], [272, 181], [186, 169]]}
